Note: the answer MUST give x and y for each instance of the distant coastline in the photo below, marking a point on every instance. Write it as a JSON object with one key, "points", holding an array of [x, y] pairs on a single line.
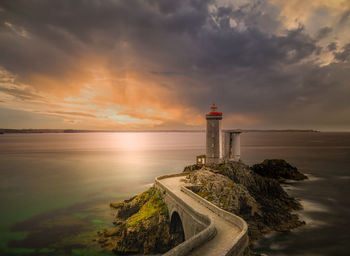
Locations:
{"points": [[3, 131]]}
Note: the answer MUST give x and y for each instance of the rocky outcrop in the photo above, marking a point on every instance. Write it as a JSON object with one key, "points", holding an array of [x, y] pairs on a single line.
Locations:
{"points": [[278, 169], [194, 167], [141, 226], [223, 192], [258, 200]]}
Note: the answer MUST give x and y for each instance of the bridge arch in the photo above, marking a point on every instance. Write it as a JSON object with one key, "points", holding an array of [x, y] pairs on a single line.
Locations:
{"points": [[197, 217], [176, 227]]}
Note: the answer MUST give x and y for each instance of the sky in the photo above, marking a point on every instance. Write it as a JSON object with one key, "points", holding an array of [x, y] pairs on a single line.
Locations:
{"points": [[160, 64]]}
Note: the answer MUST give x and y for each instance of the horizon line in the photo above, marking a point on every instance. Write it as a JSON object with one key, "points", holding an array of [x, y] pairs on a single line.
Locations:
{"points": [[53, 130]]}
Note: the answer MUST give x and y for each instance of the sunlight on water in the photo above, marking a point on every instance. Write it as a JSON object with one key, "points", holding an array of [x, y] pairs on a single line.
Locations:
{"points": [[55, 188]]}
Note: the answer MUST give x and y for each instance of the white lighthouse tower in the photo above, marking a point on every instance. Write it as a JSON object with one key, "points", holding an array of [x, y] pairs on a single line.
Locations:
{"points": [[214, 137]]}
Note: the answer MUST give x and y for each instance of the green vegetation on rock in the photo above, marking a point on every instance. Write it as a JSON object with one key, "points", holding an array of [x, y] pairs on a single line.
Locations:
{"points": [[142, 222], [152, 207], [46, 250], [141, 226]]}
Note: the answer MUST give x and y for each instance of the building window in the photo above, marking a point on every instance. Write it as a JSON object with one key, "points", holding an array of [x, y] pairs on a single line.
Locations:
{"points": [[201, 159]]}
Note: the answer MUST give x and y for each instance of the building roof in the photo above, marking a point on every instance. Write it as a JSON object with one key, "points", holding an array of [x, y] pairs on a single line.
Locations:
{"points": [[214, 112]]}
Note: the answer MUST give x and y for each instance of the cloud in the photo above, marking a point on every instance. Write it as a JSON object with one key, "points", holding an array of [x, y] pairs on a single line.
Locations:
{"points": [[332, 46], [323, 32], [344, 18], [24, 94], [18, 30], [67, 113], [158, 63], [344, 54]]}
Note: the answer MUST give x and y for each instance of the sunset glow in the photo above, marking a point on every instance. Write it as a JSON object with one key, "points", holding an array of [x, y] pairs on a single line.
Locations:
{"points": [[158, 65]]}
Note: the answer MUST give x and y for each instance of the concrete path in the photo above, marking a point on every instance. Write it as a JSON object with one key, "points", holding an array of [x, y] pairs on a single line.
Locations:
{"points": [[226, 231]]}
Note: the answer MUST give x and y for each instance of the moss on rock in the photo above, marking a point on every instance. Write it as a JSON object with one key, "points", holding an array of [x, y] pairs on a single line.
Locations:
{"points": [[142, 222], [153, 206], [141, 226]]}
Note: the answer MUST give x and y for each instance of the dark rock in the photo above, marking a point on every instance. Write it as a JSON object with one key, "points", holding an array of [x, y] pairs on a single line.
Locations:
{"points": [[278, 169], [191, 168], [261, 201], [223, 192], [141, 226]]}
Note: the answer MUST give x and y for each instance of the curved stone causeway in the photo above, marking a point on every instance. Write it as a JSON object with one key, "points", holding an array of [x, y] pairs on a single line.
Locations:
{"points": [[208, 229]]}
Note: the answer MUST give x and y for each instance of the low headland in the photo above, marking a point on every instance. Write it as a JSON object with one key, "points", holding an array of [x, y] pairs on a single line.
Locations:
{"points": [[253, 193]]}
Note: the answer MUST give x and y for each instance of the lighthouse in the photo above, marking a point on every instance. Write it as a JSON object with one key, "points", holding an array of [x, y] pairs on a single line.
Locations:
{"points": [[213, 136]]}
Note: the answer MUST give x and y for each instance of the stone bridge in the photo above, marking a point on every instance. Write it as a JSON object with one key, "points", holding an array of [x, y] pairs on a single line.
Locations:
{"points": [[206, 229]]}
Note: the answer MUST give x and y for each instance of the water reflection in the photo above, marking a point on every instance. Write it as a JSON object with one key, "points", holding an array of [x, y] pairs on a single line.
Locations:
{"points": [[50, 183]]}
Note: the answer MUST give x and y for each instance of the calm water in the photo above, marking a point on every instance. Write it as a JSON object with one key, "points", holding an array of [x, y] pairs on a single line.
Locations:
{"points": [[55, 188]]}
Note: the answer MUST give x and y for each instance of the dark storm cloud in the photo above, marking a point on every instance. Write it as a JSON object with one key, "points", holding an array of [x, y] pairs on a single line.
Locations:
{"points": [[181, 34], [323, 32], [230, 55], [252, 49], [344, 54], [61, 31], [344, 18], [332, 46]]}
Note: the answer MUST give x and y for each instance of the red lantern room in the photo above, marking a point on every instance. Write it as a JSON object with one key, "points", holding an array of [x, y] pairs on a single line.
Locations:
{"points": [[213, 111]]}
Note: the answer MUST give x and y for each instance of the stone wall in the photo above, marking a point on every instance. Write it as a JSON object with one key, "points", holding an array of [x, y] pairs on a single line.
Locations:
{"points": [[241, 241], [199, 228]]}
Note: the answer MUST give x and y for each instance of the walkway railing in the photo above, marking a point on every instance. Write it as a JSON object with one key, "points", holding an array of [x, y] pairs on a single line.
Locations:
{"points": [[198, 239], [239, 243]]}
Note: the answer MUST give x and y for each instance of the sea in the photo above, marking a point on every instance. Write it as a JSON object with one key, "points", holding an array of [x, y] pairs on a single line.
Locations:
{"points": [[55, 188]]}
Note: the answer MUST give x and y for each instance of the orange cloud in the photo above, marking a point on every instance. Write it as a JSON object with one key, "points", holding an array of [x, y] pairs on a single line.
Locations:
{"points": [[236, 120], [296, 12], [129, 101]]}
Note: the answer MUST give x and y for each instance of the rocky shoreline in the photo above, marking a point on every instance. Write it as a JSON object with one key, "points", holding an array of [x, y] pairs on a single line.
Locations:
{"points": [[141, 226], [254, 193]]}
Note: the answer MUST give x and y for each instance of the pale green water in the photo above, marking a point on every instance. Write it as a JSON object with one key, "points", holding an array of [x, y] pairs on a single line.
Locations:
{"points": [[55, 188]]}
